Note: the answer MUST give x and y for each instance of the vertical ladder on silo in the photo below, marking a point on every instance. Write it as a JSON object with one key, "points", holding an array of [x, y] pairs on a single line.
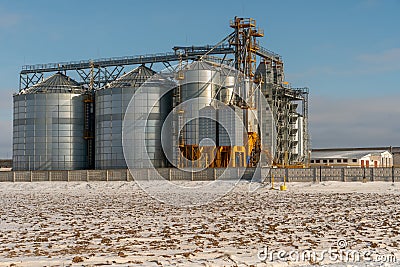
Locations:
{"points": [[89, 129]]}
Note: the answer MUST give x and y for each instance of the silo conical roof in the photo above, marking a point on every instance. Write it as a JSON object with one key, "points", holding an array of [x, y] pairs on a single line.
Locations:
{"points": [[201, 65], [57, 83], [134, 78]]}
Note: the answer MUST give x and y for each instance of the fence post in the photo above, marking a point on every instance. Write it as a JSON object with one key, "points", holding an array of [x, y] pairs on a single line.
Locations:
{"points": [[67, 176], [287, 174], [392, 174], [215, 174], [320, 173], [49, 176], [343, 175], [170, 174], [87, 175], [315, 174], [107, 175], [364, 177], [372, 175], [31, 174]]}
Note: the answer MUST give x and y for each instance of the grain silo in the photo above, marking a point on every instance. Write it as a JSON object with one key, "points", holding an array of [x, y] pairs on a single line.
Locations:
{"points": [[199, 87], [111, 104], [49, 126], [143, 123], [225, 94]]}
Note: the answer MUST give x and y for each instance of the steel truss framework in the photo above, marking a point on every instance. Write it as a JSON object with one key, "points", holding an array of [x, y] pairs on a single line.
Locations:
{"points": [[284, 104], [107, 70]]}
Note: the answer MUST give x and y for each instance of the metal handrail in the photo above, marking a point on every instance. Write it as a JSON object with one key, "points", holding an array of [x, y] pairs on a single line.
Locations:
{"points": [[265, 52], [188, 52]]}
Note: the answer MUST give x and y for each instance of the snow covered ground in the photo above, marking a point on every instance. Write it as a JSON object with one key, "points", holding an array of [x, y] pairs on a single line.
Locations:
{"points": [[118, 224]]}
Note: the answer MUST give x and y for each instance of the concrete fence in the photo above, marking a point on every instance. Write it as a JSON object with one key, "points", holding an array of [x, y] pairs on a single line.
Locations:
{"points": [[265, 174], [336, 174]]}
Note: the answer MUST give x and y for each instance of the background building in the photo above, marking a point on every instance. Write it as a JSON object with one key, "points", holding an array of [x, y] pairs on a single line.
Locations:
{"points": [[360, 157]]}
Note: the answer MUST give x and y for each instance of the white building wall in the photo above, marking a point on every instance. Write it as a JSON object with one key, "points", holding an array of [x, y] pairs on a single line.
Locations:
{"points": [[369, 160]]}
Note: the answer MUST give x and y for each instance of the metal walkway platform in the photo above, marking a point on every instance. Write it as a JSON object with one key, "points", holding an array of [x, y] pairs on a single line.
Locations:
{"points": [[109, 69]]}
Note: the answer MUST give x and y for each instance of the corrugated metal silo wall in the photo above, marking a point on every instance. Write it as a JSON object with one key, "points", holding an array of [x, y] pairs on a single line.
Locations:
{"points": [[201, 85], [48, 132], [111, 104]]}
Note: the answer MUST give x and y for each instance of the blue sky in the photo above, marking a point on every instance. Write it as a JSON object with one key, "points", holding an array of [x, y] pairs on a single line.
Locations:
{"points": [[346, 52]]}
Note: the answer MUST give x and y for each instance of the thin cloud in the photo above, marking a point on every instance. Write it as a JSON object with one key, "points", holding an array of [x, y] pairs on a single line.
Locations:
{"points": [[354, 122], [6, 99], [363, 64], [6, 110], [368, 4], [389, 57], [9, 20], [6, 138]]}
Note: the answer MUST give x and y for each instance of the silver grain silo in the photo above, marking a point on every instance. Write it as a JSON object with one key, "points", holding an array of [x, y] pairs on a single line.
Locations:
{"points": [[49, 126], [111, 104], [225, 93], [201, 83], [231, 129], [143, 123], [208, 126]]}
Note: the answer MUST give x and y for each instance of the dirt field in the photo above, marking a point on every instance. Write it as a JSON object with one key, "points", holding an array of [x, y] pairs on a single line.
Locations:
{"points": [[116, 223]]}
